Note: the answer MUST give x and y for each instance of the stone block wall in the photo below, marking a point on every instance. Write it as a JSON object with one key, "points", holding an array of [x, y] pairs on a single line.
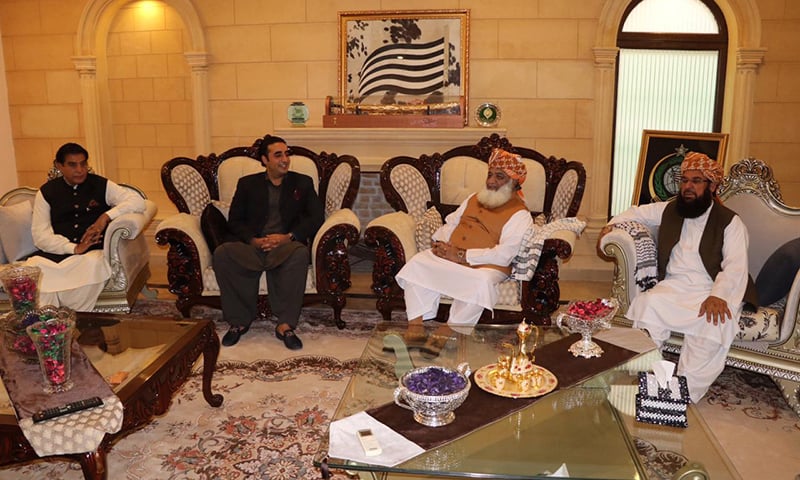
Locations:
{"points": [[370, 203]]}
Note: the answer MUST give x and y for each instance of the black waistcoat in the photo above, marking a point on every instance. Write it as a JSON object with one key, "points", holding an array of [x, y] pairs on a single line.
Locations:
{"points": [[711, 243], [74, 209]]}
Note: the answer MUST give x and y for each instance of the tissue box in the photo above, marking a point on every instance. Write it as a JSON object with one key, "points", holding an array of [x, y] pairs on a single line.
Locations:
{"points": [[662, 406]]}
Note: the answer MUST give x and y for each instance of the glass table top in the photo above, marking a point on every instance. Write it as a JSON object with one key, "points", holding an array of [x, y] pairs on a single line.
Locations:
{"points": [[123, 349], [586, 427]]}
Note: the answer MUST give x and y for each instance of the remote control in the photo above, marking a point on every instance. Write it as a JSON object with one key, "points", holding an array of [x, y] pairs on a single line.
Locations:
{"points": [[49, 413], [369, 443]]}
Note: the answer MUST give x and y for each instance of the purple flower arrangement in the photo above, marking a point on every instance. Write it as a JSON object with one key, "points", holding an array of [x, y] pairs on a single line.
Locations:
{"points": [[435, 381]]}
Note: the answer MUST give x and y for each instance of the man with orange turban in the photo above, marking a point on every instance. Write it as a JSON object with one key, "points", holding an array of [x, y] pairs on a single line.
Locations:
{"points": [[472, 251], [702, 272]]}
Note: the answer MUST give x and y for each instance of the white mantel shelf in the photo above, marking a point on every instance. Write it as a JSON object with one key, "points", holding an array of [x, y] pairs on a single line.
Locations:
{"points": [[373, 146]]}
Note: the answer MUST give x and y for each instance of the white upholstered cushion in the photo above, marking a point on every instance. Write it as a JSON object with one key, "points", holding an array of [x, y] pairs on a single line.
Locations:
{"points": [[15, 234], [761, 325], [229, 173]]}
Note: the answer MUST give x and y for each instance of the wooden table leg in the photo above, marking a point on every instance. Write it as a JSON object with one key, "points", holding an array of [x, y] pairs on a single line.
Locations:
{"points": [[93, 464], [210, 354]]}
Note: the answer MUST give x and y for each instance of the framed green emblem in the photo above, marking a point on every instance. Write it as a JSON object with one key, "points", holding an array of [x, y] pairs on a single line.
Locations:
{"points": [[662, 152]]}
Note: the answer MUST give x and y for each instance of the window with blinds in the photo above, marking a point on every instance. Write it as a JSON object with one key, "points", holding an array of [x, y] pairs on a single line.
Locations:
{"points": [[670, 76]]}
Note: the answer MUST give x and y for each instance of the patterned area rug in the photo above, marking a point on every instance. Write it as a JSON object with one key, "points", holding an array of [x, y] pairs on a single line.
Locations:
{"points": [[278, 406]]}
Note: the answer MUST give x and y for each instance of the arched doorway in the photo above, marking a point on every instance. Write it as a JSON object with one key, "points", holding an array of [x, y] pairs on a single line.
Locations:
{"points": [[103, 97]]}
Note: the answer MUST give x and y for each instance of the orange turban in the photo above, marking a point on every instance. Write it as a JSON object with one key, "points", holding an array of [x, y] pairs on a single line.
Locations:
{"points": [[700, 161], [510, 163]]}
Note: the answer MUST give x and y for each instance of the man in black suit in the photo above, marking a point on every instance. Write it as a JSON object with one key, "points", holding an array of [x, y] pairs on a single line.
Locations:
{"points": [[275, 217]]}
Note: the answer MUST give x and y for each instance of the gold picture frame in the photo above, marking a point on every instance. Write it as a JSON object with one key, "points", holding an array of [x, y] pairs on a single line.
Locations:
{"points": [[658, 175], [404, 62]]}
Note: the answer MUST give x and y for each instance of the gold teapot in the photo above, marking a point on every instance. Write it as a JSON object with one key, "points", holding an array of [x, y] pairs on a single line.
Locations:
{"points": [[517, 368]]}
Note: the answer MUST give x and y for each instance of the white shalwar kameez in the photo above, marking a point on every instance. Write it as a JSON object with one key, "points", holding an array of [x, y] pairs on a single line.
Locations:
{"points": [[77, 281], [426, 277], [674, 303]]}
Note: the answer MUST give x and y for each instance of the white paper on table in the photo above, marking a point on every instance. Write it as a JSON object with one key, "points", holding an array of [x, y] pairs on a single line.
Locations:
{"points": [[631, 338], [561, 472], [344, 443]]}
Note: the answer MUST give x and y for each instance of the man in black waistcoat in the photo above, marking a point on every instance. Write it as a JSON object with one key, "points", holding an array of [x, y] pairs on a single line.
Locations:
{"points": [[275, 216], [70, 216]]}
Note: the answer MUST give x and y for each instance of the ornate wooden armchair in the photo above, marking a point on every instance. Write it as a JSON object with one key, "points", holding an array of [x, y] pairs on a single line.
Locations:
{"points": [[195, 185], [553, 189], [769, 339]]}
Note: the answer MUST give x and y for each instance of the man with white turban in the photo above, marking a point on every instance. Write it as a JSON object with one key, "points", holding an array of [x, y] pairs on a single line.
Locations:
{"points": [[702, 270], [471, 253]]}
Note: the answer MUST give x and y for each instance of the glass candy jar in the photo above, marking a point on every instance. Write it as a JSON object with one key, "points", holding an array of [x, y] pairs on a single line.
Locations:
{"points": [[52, 338], [21, 284]]}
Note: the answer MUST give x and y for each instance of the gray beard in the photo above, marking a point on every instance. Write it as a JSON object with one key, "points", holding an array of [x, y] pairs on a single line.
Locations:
{"points": [[495, 198]]}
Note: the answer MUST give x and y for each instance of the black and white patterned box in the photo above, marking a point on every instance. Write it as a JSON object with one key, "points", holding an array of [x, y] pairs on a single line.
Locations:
{"points": [[662, 406]]}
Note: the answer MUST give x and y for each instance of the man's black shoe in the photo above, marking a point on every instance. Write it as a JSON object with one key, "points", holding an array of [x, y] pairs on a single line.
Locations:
{"points": [[233, 335], [290, 339]]}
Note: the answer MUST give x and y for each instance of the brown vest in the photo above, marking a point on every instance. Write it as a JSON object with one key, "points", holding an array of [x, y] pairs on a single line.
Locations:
{"points": [[481, 227], [711, 242]]}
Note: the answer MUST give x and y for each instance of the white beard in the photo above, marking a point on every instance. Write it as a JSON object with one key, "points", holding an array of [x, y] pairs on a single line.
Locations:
{"points": [[495, 198]]}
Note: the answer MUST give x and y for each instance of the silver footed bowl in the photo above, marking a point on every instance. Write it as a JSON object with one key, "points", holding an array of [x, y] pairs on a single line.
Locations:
{"points": [[432, 410], [587, 324]]}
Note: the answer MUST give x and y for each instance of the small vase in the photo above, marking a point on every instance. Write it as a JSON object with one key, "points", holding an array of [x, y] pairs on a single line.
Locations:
{"points": [[52, 337], [21, 284]]}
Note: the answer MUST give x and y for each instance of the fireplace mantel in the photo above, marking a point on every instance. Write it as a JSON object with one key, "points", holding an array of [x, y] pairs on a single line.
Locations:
{"points": [[373, 146]]}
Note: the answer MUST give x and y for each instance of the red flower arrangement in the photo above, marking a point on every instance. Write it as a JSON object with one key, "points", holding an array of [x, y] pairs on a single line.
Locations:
{"points": [[590, 310], [21, 283], [52, 337]]}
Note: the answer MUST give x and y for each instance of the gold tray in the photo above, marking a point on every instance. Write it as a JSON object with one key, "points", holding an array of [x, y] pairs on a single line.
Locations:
{"points": [[484, 378]]}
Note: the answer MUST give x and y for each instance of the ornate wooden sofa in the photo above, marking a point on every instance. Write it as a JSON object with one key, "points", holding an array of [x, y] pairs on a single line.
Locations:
{"points": [[193, 185], [124, 246], [769, 339], [554, 188]]}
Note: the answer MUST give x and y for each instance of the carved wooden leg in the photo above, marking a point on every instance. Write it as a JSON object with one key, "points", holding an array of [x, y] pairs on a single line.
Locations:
{"points": [[210, 354], [384, 305], [184, 305], [338, 302], [93, 464]]}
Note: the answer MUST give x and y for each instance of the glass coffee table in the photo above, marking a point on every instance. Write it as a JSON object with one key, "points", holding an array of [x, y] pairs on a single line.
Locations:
{"points": [[156, 356], [589, 427]]}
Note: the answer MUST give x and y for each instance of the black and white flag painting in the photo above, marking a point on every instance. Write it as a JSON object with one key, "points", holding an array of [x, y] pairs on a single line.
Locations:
{"points": [[412, 69]]}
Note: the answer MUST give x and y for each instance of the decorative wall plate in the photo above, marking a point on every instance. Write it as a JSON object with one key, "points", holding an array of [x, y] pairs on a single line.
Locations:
{"points": [[487, 114]]}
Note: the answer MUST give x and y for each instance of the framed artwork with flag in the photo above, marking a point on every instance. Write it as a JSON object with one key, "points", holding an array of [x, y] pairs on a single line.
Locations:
{"points": [[404, 61], [659, 174]]}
